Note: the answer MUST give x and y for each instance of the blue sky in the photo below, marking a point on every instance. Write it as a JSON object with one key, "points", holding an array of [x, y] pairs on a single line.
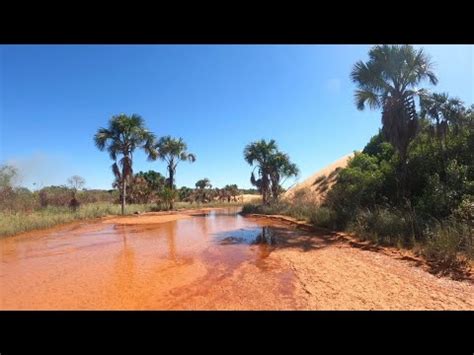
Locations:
{"points": [[218, 98]]}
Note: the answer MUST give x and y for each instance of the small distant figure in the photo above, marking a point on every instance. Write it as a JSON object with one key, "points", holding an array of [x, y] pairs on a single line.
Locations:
{"points": [[74, 204]]}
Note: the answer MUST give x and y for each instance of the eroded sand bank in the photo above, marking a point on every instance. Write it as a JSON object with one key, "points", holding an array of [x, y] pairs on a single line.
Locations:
{"points": [[210, 259]]}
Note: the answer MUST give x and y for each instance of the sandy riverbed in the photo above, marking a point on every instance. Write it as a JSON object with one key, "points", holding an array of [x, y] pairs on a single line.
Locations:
{"points": [[210, 259]]}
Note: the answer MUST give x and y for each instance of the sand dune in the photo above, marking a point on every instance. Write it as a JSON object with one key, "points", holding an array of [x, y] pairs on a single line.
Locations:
{"points": [[250, 198], [317, 185]]}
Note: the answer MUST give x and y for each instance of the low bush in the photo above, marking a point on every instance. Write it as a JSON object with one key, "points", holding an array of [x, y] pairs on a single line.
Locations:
{"points": [[323, 217], [319, 216], [384, 226], [449, 244]]}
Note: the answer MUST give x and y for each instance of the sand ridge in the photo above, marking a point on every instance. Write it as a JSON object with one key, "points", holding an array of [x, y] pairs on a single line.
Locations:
{"points": [[317, 185]]}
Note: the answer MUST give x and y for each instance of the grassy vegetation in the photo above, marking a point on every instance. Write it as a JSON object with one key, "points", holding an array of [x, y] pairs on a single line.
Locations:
{"points": [[304, 211], [188, 205], [17, 222], [448, 244], [12, 223]]}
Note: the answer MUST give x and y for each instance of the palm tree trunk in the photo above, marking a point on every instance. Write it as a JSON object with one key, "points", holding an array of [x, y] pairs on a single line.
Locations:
{"points": [[264, 189], [171, 179], [123, 194], [170, 185], [403, 175]]}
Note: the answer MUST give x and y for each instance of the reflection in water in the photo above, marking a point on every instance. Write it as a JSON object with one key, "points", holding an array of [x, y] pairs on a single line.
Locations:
{"points": [[267, 236], [263, 240], [259, 235], [109, 266], [170, 237], [125, 264]]}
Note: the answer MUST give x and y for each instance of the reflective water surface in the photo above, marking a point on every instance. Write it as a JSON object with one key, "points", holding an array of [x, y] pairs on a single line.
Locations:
{"points": [[213, 260]]}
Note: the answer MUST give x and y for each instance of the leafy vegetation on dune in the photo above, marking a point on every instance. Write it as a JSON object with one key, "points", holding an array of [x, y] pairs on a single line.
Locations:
{"points": [[413, 184]]}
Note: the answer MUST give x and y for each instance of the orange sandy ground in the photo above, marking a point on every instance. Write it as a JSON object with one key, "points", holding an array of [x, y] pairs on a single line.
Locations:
{"points": [[171, 261]]}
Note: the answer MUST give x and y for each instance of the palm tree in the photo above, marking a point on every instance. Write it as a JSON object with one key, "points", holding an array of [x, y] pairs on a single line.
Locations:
{"points": [[389, 80], [203, 183], [260, 153], [172, 150], [280, 167], [444, 113], [203, 186], [232, 191], [123, 135]]}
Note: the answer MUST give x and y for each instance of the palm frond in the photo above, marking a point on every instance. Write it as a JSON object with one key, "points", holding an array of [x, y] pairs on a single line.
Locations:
{"points": [[363, 96]]}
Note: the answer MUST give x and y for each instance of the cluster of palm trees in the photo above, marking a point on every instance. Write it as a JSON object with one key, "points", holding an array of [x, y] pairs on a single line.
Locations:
{"points": [[204, 192], [271, 165], [389, 80], [124, 135]]}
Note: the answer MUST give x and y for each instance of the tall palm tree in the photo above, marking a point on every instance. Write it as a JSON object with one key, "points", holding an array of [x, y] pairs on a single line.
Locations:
{"points": [[280, 167], [389, 80], [444, 113], [121, 138], [172, 151], [260, 153]]}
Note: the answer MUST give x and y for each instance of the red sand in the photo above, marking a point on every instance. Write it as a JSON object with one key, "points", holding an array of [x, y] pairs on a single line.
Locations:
{"points": [[192, 261]]}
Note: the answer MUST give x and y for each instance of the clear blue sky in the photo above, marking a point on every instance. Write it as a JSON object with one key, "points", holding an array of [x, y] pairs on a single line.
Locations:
{"points": [[218, 98]]}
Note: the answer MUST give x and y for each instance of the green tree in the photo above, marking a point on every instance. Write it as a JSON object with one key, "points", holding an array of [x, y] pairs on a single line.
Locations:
{"points": [[389, 80], [203, 184], [172, 151], [443, 113], [155, 180], [184, 193], [272, 166], [259, 153], [280, 167], [203, 192], [167, 197], [121, 138], [233, 190]]}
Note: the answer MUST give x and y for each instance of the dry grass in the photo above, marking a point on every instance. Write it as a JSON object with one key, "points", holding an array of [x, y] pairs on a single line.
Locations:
{"points": [[18, 222]]}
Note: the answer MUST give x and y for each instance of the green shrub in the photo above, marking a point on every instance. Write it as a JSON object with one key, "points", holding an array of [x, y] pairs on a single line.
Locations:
{"points": [[450, 244], [318, 216], [384, 226], [323, 217]]}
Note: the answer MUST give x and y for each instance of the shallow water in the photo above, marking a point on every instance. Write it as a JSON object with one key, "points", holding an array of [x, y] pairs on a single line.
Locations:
{"points": [[217, 259]]}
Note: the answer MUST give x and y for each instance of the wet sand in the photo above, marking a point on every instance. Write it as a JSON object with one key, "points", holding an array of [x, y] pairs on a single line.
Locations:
{"points": [[209, 259]]}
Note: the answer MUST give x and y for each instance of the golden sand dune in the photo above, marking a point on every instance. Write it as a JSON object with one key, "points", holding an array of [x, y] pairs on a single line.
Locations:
{"points": [[317, 185], [250, 198]]}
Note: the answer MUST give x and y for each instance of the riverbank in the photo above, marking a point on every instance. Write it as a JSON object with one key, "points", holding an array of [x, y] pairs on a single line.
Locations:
{"points": [[313, 218], [412, 256]]}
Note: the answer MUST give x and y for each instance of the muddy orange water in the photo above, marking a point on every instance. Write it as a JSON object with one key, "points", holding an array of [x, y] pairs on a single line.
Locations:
{"points": [[214, 259]]}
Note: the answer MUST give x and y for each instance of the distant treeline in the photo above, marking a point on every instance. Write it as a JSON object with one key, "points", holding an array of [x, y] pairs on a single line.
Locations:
{"points": [[145, 187]]}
